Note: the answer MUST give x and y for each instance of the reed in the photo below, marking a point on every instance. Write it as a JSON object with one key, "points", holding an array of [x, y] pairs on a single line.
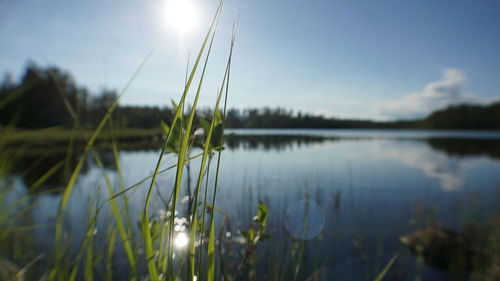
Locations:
{"points": [[148, 248]]}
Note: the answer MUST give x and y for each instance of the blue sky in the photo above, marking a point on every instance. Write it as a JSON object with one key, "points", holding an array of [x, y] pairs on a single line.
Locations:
{"points": [[380, 59]]}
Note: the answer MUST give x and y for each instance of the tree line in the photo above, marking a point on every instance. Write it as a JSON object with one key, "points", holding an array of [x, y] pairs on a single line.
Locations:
{"points": [[47, 97]]}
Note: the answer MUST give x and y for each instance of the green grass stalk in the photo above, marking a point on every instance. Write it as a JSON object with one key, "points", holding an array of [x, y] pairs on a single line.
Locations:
{"points": [[124, 236], [152, 268], [211, 238], [72, 180]]}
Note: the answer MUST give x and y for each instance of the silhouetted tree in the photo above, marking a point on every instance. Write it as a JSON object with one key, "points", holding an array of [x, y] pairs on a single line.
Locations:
{"points": [[46, 97]]}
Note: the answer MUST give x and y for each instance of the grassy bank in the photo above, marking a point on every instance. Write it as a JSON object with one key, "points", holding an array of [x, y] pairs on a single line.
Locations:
{"points": [[57, 137]]}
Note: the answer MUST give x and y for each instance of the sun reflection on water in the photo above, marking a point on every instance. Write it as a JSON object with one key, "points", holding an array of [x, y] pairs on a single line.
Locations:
{"points": [[181, 240]]}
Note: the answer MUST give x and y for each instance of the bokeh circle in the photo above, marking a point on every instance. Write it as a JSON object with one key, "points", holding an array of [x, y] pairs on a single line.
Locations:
{"points": [[304, 219]]}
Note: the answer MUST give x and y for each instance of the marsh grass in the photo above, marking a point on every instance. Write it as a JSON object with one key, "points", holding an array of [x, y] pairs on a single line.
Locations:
{"points": [[149, 248], [157, 238]]}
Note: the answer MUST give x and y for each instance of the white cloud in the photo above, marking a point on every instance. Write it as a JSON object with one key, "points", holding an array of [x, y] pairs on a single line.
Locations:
{"points": [[435, 95]]}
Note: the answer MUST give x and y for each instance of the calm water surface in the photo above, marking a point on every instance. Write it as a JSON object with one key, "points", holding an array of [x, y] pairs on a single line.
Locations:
{"points": [[347, 194]]}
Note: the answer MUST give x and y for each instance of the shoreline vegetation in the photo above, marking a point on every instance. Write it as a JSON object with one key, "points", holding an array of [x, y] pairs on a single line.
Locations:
{"points": [[186, 237], [135, 138], [55, 100], [57, 136], [41, 97]]}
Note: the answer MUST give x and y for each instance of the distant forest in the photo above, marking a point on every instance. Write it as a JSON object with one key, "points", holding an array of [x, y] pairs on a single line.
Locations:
{"points": [[47, 97]]}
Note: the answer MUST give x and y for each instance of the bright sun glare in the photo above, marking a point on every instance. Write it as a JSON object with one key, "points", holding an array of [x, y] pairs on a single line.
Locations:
{"points": [[181, 240], [181, 15]]}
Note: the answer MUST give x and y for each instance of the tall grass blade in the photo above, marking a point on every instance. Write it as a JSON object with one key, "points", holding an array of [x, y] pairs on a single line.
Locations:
{"points": [[128, 220], [110, 252], [74, 272], [41, 180], [211, 241], [88, 245], [211, 252], [124, 191], [115, 210], [152, 268], [192, 236], [388, 266], [205, 196], [14, 95], [72, 180]]}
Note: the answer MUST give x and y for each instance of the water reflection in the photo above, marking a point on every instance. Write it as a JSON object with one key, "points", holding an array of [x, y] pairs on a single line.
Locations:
{"points": [[363, 190], [466, 147], [274, 142], [181, 240], [49, 169], [449, 170], [441, 158]]}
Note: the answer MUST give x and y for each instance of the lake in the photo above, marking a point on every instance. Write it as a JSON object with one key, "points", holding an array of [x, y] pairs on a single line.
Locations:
{"points": [[341, 198]]}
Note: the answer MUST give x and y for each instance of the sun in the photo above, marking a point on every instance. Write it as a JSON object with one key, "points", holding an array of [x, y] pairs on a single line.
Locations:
{"points": [[181, 15]]}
